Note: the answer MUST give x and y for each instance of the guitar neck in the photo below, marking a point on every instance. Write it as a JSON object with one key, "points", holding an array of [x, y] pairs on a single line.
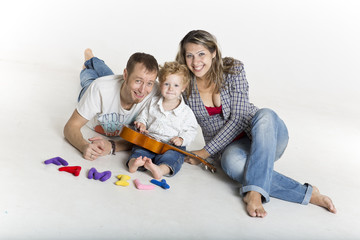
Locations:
{"points": [[190, 154], [168, 146]]}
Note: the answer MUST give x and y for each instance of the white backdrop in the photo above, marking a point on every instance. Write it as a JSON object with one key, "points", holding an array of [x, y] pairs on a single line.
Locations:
{"points": [[288, 47], [301, 59]]}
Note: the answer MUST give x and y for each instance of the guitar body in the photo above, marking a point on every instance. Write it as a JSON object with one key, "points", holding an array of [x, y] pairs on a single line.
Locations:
{"points": [[141, 140], [156, 146]]}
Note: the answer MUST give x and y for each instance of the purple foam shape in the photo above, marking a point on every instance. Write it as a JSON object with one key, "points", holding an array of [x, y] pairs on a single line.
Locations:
{"points": [[57, 161], [93, 173], [97, 175], [106, 176]]}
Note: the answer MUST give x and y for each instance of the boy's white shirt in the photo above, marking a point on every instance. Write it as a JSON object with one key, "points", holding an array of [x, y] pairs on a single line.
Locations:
{"points": [[164, 125]]}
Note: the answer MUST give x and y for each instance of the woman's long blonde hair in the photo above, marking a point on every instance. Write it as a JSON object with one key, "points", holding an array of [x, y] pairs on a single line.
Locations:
{"points": [[218, 66]]}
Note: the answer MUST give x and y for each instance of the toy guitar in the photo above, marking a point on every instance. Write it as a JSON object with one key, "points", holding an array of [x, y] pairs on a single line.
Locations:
{"points": [[151, 144]]}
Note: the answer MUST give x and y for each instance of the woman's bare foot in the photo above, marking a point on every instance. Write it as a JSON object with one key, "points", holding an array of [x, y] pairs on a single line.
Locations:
{"points": [[135, 163], [254, 205], [88, 55], [322, 200], [157, 171]]}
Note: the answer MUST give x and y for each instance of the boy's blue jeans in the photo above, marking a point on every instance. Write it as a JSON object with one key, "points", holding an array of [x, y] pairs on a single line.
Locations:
{"points": [[171, 158], [252, 162], [94, 68]]}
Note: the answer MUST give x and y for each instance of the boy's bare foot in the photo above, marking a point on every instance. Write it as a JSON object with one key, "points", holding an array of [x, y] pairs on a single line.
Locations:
{"points": [[135, 163], [157, 171], [254, 205], [88, 55], [322, 200]]}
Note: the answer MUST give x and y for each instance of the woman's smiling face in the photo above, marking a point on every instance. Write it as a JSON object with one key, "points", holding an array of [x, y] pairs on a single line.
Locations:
{"points": [[198, 59]]}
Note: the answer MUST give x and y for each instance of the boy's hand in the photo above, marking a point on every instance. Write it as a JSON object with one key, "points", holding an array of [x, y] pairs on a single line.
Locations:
{"points": [[141, 127], [177, 141]]}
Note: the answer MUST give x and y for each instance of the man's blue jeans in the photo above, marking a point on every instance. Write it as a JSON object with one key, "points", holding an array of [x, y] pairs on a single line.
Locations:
{"points": [[94, 68], [251, 162]]}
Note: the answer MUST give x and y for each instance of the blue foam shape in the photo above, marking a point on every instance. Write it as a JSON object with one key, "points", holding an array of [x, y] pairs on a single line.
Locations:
{"points": [[162, 184]]}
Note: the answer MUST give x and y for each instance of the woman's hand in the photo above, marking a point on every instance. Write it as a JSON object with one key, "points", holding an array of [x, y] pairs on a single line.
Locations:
{"points": [[201, 153]]}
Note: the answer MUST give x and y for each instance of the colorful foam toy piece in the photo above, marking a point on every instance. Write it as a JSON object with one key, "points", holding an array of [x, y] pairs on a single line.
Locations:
{"points": [[123, 180], [143, 186], [75, 170], [162, 184], [103, 176], [57, 161]]}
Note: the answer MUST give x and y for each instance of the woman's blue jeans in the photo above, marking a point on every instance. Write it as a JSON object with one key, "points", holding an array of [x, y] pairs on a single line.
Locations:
{"points": [[171, 158], [94, 68], [251, 162]]}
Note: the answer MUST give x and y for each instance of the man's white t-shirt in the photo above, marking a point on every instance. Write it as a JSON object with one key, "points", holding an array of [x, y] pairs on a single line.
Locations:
{"points": [[101, 105]]}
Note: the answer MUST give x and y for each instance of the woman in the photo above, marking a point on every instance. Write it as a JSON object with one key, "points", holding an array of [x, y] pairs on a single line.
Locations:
{"points": [[247, 140]]}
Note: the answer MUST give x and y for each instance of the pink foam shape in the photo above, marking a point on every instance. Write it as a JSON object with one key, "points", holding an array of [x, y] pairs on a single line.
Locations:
{"points": [[143, 186]]}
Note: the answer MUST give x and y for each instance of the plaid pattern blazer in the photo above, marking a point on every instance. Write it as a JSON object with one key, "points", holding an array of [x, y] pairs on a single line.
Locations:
{"points": [[237, 112]]}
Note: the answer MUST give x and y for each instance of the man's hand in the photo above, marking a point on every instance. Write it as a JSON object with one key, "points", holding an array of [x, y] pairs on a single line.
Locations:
{"points": [[97, 147]]}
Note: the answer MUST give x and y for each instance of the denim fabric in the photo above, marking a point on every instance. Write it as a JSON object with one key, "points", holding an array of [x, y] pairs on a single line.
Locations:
{"points": [[251, 162], [170, 158], [94, 68]]}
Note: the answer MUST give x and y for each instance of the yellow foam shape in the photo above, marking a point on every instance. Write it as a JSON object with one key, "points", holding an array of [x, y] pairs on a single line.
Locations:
{"points": [[123, 180], [123, 177]]}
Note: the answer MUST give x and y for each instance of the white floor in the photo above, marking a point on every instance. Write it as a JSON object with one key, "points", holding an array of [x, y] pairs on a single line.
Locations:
{"points": [[39, 202], [38, 89]]}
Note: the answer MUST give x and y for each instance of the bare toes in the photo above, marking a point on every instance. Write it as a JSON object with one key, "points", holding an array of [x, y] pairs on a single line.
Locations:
{"points": [[321, 200]]}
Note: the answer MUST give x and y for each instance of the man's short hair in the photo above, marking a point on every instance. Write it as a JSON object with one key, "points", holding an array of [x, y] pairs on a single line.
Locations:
{"points": [[147, 60]]}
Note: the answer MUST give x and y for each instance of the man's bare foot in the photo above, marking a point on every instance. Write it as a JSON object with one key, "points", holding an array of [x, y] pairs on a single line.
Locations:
{"points": [[135, 163], [254, 205], [322, 200], [88, 55], [157, 171]]}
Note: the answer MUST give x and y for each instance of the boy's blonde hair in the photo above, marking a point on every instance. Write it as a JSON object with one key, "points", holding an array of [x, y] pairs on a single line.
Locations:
{"points": [[170, 68]]}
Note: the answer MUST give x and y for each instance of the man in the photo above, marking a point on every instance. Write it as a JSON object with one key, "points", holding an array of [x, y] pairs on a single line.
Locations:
{"points": [[110, 102]]}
